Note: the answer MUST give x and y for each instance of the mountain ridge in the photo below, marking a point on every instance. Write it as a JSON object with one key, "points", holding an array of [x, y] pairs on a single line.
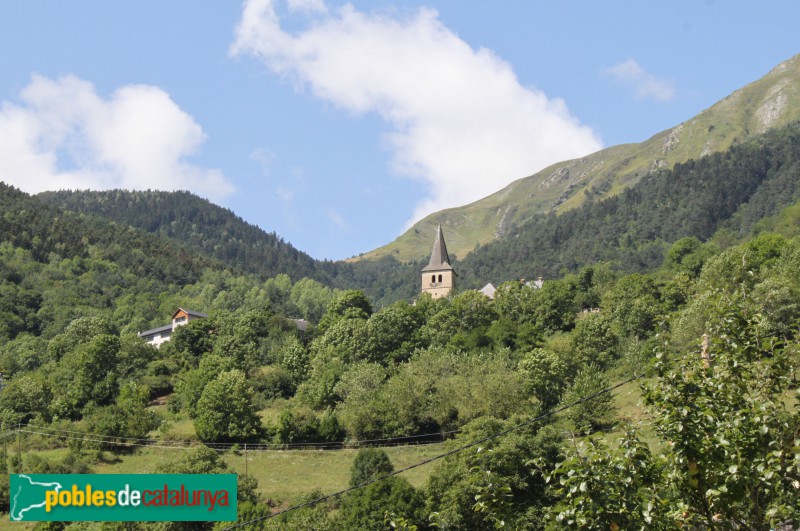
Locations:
{"points": [[771, 101]]}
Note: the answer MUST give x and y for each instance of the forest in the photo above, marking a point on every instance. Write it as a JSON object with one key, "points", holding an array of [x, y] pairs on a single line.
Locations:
{"points": [[694, 307]]}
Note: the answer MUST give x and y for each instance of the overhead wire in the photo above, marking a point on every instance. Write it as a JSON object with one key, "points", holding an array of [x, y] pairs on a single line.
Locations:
{"points": [[223, 447]]}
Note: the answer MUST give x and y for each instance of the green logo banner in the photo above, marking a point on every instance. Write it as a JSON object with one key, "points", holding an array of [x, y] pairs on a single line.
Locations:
{"points": [[122, 497]]}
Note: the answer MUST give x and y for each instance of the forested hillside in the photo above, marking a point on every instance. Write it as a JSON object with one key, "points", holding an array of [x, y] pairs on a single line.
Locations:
{"points": [[728, 192], [218, 234], [58, 266], [197, 223], [518, 391]]}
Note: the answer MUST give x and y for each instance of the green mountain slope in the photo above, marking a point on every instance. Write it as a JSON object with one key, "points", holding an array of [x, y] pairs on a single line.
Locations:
{"points": [[196, 222], [772, 101], [747, 188], [223, 237]]}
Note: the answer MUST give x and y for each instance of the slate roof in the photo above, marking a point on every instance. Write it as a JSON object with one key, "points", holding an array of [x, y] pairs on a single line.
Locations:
{"points": [[190, 312], [155, 331], [489, 290], [440, 261]]}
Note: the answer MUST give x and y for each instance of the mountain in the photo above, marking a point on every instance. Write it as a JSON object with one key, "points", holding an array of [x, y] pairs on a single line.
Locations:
{"points": [[772, 101], [209, 229], [753, 186], [221, 236], [732, 190]]}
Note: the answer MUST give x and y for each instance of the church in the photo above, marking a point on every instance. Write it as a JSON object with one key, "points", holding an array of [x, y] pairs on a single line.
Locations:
{"points": [[438, 277]]}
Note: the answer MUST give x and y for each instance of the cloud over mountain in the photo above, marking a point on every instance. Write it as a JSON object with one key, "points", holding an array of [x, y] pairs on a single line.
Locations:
{"points": [[458, 118], [644, 84], [63, 135]]}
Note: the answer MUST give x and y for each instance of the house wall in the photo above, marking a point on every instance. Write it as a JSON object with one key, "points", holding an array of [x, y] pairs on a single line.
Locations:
{"points": [[157, 339]]}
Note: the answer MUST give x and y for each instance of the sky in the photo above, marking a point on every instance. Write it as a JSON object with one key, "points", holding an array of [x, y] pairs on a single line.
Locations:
{"points": [[337, 125]]}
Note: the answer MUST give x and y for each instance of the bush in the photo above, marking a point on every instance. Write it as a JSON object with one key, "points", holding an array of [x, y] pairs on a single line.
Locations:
{"points": [[368, 464], [368, 507], [596, 412], [275, 383], [297, 425]]}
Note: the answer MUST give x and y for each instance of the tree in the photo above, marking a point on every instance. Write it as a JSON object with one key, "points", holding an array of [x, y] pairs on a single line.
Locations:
{"points": [[347, 304], [733, 456], [592, 413], [469, 312], [133, 356], [86, 374], [127, 417], [225, 411], [78, 332], [368, 507], [688, 255], [296, 360], [192, 383], [297, 425], [544, 375], [601, 488], [635, 304], [507, 475], [516, 301], [594, 341], [369, 463], [345, 338], [25, 397], [194, 338], [555, 305], [318, 390], [394, 333], [311, 298]]}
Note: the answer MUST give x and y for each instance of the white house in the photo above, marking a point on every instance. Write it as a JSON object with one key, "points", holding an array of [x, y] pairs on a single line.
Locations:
{"points": [[162, 334]]}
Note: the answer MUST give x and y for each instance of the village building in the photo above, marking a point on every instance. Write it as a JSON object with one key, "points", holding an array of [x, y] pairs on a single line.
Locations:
{"points": [[439, 277], [162, 334], [489, 290]]}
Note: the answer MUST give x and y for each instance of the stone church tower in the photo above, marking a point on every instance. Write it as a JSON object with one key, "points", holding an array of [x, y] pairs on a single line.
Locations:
{"points": [[438, 277]]}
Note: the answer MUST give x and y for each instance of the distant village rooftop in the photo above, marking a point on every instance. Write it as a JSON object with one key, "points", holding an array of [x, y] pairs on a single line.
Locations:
{"points": [[162, 334]]}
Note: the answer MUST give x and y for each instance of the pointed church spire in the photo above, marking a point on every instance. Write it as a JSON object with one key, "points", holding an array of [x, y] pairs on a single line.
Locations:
{"points": [[439, 257]]}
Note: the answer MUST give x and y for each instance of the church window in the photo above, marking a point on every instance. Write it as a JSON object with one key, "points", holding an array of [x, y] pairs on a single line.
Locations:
{"points": [[440, 278], [433, 279]]}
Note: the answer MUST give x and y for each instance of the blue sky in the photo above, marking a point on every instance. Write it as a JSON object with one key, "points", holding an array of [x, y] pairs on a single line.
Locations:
{"points": [[338, 124]]}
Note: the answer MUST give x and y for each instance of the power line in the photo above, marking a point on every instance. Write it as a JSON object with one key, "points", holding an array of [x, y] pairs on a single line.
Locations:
{"points": [[108, 441], [222, 447], [437, 457]]}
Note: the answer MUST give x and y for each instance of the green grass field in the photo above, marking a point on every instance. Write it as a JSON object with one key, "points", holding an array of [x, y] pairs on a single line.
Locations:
{"points": [[285, 474]]}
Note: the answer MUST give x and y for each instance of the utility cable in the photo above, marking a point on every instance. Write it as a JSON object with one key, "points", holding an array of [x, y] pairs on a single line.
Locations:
{"points": [[145, 442], [188, 445]]}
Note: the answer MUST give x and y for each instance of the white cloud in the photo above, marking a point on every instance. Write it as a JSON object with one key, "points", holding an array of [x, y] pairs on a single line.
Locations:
{"points": [[459, 118], [286, 195], [644, 84], [265, 158], [311, 6], [336, 218], [65, 136]]}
